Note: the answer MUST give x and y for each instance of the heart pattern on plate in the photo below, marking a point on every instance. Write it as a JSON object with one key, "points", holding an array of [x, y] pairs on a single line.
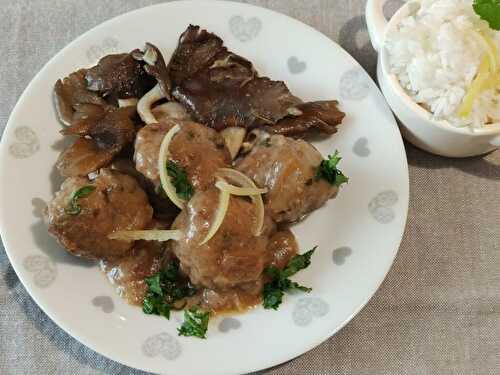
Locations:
{"points": [[245, 30], [340, 254], [354, 84], [104, 302], [26, 143], [308, 308], [163, 344], [96, 51], [296, 66], [360, 147], [228, 324], [43, 268], [380, 207]]}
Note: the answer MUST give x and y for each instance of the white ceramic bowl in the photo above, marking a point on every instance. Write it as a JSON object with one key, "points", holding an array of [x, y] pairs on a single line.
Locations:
{"points": [[417, 124]]}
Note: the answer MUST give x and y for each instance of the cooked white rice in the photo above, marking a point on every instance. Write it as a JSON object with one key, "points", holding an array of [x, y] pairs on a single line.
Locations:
{"points": [[436, 55]]}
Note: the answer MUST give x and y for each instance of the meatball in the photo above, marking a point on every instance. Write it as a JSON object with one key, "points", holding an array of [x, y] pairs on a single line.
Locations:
{"points": [[233, 257], [128, 273], [287, 167], [198, 149], [116, 203]]}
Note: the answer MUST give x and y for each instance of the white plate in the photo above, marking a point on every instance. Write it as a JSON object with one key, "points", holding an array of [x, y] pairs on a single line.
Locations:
{"points": [[357, 234]]}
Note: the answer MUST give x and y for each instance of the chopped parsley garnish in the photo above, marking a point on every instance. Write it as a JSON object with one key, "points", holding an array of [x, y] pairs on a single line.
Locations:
{"points": [[328, 171], [183, 187], [280, 283], [488, 10], [164, 289], [73, 207], [195, 323]]}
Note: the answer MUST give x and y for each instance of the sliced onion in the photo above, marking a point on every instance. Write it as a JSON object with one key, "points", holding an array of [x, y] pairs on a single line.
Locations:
{"points": [[166, 183], [220, 213], [240, 191], [130, 102], [245, 181], [145, 103], [146, 235]]}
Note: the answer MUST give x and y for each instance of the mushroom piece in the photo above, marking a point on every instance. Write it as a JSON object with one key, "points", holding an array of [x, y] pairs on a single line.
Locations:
{"points": [[233, 137], [84, 119], [255, 137], [323, 116], [119, 77], [72, 91], [170, 110], [82, 158], [105, 138], [155, 66], [222, 90]]}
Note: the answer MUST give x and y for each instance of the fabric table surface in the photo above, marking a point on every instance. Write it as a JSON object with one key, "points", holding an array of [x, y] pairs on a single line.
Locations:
{"points": [[437, 312]]}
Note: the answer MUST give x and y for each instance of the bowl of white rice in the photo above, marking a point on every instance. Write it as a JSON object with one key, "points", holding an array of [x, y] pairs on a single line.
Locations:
{"points": [[439, 69]]}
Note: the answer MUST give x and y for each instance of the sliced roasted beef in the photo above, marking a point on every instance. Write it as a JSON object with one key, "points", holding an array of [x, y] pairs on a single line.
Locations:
{"points": [[119, 77]]}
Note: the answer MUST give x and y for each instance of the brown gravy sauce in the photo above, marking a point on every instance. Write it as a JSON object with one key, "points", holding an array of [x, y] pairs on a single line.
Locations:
{"points": [[282, 247], [127, 275]]}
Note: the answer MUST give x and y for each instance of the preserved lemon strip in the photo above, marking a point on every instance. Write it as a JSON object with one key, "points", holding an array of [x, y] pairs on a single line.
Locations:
{"points": [[475, 88], [245, 181], [487, 76], [490, 48], [166, 183], [220, 213], [146, 235], [240, 191]]}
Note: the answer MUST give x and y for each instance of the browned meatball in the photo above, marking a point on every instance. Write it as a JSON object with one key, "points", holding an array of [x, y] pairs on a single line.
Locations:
{"points": [[116, 203], [198, 149], [287, 167], [233, 257], [128, 273]]}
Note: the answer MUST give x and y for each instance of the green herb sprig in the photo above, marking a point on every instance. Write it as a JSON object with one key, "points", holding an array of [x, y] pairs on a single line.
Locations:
{"points": [[183, 187], [195, 323], [164, 289], [488, 10], [74, 207], [328, 171], [280, 283]]}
